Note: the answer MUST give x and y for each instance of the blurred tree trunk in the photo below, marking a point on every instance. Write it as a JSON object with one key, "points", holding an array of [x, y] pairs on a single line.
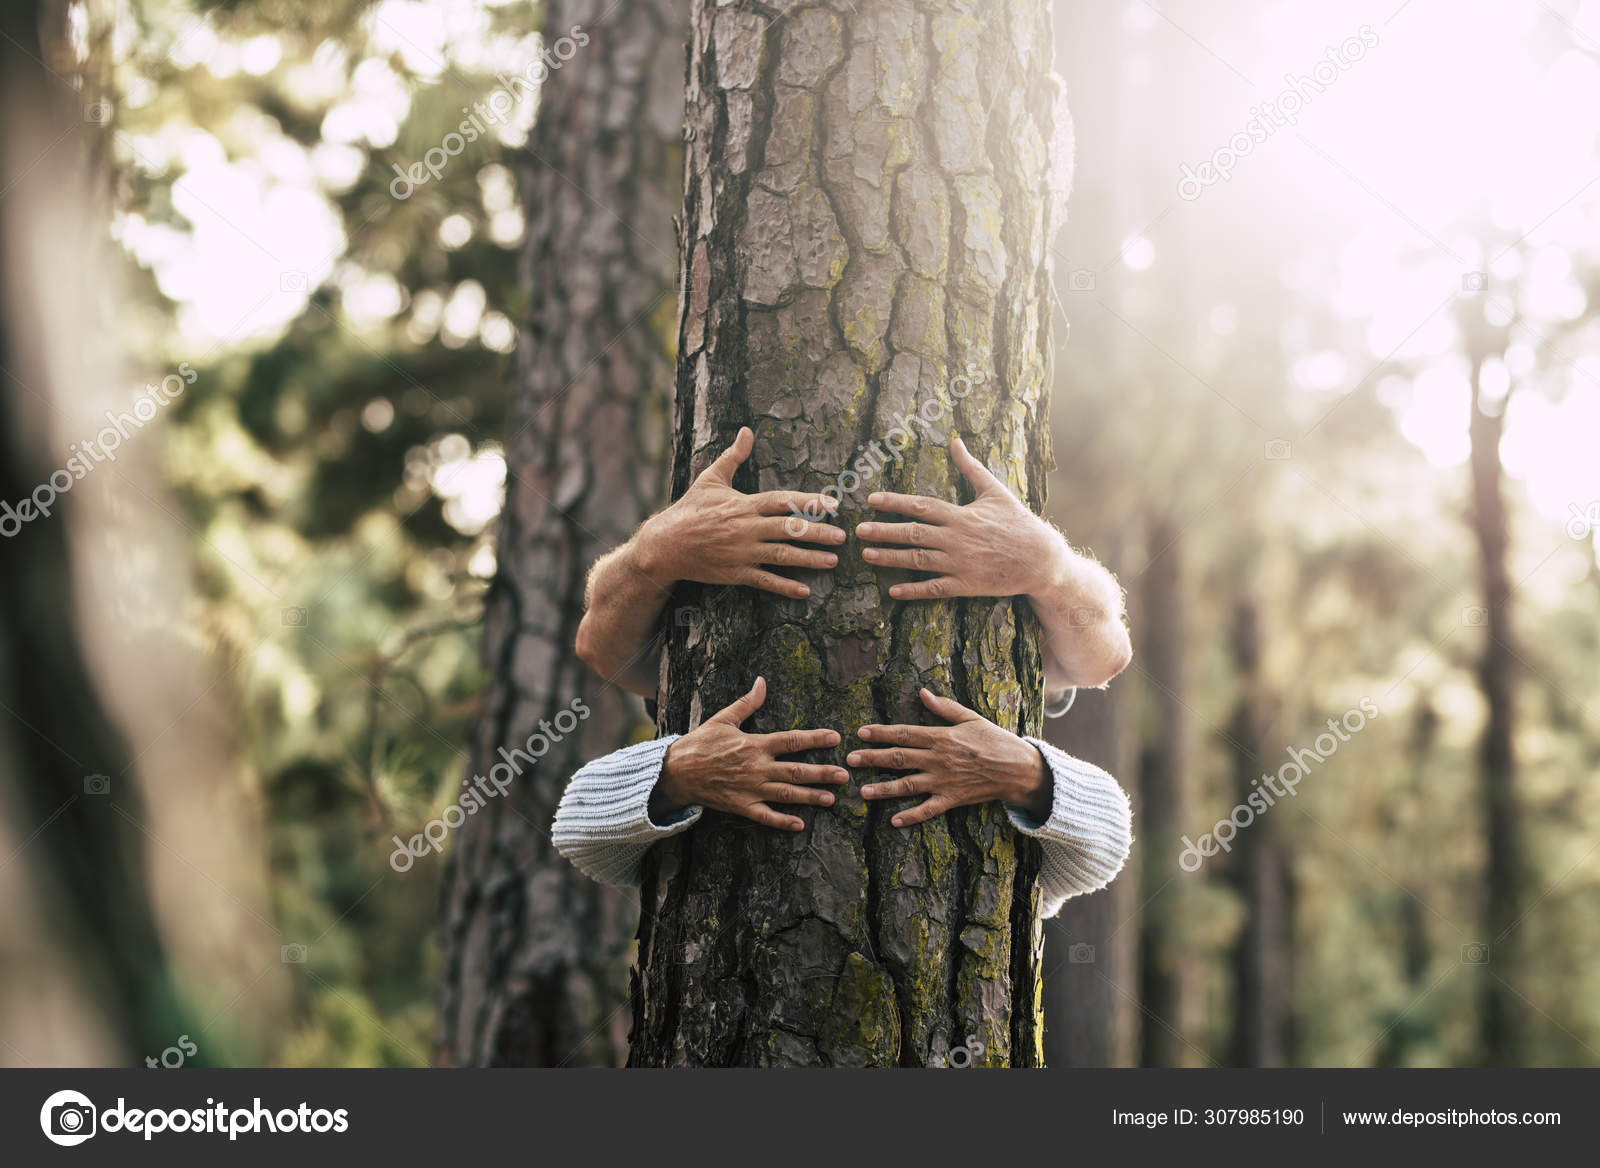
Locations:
{"points": [[536, 954], [66, 770], [866, 218], [1091, 946], [1262, 955], [1496, 678], [1411, 1029], [1161, 623]]}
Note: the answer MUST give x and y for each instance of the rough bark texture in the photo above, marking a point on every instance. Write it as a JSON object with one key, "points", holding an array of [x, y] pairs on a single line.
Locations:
{"points": [[867, 204], [536, 954], [1091, 947], [1163, 780], [1496, 679], [1262, 954]]}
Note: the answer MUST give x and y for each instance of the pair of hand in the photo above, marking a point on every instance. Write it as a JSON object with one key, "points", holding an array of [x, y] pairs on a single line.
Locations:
{"points": [[714, 534], [718, 765]]}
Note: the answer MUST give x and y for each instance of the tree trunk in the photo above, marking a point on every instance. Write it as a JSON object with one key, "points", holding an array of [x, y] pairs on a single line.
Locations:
{"points": [[1497, 762], [865, 228], [1091, 947], [76, 816], [1262, 953], [535, 953], [1163, 779]]}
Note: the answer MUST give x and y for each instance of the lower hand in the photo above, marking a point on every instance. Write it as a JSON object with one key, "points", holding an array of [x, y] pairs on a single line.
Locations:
{"points": [[718, 766], [970, 761]]}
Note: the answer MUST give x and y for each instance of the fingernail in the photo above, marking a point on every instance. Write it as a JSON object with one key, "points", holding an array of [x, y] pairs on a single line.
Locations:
{"points": [[874, 499], [869, 553], [854, 760], [832, 560], [898, 822], [842, 775], [894, 590], [805, 590], [827, 800], [800, 827], [833, 738], [868, 792], [865, 732]]}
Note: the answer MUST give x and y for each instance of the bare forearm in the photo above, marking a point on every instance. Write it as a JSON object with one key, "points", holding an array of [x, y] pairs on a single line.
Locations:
{"points": [[1079, 605], [617, 637]]}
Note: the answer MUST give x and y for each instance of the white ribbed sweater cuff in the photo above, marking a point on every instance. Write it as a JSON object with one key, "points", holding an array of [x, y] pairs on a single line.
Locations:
{"points": [[603, 824], [1088, 833]]}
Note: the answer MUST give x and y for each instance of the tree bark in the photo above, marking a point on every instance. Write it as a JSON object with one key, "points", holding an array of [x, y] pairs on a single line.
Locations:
{"points": [[1165, 988], [867, 206], [535, 968]]}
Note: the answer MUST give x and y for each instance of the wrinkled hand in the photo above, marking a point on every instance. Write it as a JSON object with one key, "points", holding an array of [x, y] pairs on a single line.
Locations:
{"points": [[994, 546], [719, 766], [717, 535], [971, 761]]}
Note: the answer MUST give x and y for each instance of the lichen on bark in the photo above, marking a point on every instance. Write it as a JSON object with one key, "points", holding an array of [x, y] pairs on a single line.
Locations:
{"points": [[867, 205]]}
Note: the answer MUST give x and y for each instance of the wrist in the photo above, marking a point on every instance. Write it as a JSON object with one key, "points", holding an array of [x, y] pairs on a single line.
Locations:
{"points": [[1032, 788], [669, 796], [1056, 563], [652, 550]]}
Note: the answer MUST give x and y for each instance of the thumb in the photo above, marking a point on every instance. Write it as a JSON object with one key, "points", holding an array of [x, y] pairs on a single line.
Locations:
{"points": [[947, 708], [738, 710], [732, 458], [972, 470]]}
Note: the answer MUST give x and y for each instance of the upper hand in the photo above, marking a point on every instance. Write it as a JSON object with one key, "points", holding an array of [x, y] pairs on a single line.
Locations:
{"points": [[718, 765], [717, 535], [994, 546], [971, 761]]}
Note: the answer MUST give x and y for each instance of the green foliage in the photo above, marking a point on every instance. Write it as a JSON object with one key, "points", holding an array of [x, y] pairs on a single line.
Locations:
{"points": [[337, 457]]}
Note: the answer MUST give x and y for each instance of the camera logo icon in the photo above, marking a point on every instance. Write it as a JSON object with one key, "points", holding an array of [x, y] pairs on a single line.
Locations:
{"points": [[67, 1118], [1477, 953], [1081, 954]]}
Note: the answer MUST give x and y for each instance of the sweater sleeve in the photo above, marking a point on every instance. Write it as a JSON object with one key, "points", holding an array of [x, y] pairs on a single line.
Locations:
{"points": [[1088, 834], [603, 824]]}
